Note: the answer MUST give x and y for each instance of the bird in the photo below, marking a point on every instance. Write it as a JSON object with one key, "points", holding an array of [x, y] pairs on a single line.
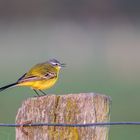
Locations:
{"points": [[40, 77]]}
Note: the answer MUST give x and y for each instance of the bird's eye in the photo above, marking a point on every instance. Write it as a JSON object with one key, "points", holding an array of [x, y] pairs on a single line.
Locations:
{"points": [[55, 64]]}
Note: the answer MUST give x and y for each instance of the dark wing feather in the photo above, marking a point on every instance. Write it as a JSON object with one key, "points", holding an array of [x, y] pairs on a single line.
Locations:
{"points": [[21, 77], [50, 75]]}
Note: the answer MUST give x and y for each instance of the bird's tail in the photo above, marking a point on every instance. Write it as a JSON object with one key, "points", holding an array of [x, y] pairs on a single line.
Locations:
{"points": [[8, 86]]}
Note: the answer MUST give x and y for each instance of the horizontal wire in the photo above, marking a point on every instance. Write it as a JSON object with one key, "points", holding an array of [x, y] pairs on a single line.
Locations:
{"points": [[71, 125]]}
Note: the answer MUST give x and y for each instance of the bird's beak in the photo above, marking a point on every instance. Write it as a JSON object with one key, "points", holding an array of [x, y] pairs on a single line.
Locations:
{"points": [[63, 65]]}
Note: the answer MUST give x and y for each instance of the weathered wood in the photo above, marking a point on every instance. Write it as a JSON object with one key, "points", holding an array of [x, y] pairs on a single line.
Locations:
{"points": [[70, 109]]}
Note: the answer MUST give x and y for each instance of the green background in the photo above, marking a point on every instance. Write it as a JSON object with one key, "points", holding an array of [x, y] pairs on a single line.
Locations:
{"points": [[101, 50]]}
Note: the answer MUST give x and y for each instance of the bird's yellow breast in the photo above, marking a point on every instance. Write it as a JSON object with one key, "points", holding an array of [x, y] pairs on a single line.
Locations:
{"points": [[40, 84]]}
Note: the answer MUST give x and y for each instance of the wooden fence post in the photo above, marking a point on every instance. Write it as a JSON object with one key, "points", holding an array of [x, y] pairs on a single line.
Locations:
{"points": [[70, 109]]}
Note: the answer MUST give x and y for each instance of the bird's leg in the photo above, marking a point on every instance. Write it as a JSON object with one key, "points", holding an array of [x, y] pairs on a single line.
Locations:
{"points": [[42, 92], [36, 92]]}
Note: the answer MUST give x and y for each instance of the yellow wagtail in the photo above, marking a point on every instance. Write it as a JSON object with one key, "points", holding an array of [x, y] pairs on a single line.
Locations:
{"points": [[41, 76]]}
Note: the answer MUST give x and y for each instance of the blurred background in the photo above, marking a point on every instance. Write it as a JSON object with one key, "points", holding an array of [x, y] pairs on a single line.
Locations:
{"points": [[99, 40]]}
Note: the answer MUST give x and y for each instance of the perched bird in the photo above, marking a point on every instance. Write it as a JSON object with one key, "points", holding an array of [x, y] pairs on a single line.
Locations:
{"points": [[41, 76]]}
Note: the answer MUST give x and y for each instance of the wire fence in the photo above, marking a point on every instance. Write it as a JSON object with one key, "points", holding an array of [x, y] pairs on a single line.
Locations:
{"points": [[99, 124]]}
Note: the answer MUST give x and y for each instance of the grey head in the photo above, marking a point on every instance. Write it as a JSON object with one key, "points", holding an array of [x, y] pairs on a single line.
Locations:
{"points": [[55, 62]]}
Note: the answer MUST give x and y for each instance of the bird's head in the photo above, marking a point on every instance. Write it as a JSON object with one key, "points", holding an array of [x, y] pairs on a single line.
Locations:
{"points": [[55, 63]]}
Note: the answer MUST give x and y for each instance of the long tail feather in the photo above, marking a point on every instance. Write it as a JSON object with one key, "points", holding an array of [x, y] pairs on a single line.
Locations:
{"points": [[8, 86]]}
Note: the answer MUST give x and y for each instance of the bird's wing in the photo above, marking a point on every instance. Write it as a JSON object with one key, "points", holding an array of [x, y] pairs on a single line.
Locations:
{"points": [[39, 72], [49, 75]]}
